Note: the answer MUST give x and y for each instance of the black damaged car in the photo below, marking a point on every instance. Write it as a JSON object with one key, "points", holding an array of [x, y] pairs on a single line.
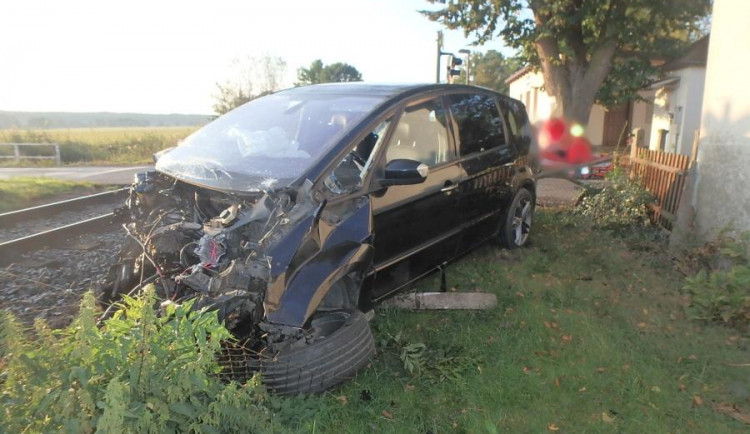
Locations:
{"points": [[298, 211]]}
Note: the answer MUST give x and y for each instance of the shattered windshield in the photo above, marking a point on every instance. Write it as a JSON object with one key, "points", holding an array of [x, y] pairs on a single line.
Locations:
{"points": [[268, 141]]}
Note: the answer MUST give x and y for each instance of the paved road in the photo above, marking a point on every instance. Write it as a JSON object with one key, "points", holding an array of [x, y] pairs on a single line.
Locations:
{"points": [[97, 174]]}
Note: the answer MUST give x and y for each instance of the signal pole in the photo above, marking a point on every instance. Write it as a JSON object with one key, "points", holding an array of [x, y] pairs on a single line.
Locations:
{"points": [[439, 53]]}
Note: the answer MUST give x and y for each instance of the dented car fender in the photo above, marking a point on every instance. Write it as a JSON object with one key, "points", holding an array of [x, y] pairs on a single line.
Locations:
{"points": [[329, 245]]}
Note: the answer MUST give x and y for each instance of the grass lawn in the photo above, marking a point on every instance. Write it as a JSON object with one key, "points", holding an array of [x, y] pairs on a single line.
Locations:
{"points": [[97, 145], [591, 335], [22, 192]]}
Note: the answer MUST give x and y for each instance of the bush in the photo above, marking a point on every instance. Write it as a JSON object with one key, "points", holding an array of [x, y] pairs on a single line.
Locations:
{"points": [[620, 204], [721, 291], [139, 372]]}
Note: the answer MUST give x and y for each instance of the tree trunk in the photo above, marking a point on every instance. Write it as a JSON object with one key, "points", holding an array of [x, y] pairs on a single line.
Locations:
{"points": [[574, 82]]}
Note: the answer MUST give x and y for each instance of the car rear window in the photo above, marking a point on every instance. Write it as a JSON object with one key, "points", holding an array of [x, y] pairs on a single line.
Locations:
{"points": [[480, 126]]}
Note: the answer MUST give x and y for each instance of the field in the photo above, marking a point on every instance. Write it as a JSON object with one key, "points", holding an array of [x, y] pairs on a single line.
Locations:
{"points": [[98, 145]]}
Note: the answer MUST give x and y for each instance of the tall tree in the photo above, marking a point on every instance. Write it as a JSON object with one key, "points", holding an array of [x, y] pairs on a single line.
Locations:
{"points": [[333, 73], [251, 78], [588, 50], [490, 69]]}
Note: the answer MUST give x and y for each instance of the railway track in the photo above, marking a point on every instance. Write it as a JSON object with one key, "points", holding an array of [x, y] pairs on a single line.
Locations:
{"points": [[11, 249]]}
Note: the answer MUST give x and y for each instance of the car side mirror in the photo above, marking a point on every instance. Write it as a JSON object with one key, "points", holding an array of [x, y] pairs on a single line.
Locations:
{"points": [[404, 172]]}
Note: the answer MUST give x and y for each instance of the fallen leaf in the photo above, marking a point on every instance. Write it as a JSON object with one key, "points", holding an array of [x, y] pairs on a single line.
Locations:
{"points": [[697, 401], [626, 367], [682, 387], [557, 382], [550, 325], [656, 389], [409, 387], [733, 412], [519, 294], [567, 338], [692, 357], [553, 427], [526, 369], [642, 325], [601, 370], [607, 418], [582, 389], [387, 415], [342, 399]]}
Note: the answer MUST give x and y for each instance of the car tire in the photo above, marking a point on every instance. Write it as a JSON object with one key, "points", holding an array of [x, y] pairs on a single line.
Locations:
{"points": [[317, 364], [516, 225]]}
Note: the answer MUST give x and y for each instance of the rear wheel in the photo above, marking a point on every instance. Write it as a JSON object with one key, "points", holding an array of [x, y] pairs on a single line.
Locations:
{"points": [[336, 345], [516, 226]]}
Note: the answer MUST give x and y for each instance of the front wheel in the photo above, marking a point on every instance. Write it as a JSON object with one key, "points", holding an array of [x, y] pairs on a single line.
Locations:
{"points": [[516, 226], [337, 345]]}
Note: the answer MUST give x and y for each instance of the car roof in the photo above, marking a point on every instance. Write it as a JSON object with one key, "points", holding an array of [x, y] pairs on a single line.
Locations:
{"points": [[384, 90]]}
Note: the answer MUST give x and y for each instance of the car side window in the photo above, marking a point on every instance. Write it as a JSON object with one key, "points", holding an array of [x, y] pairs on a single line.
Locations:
{"points": [[480, 126], [347, 176], [421, 135], [518, 123]]}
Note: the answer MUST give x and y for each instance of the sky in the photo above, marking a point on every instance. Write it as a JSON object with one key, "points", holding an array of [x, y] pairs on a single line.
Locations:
{"points": [[165, 56]]}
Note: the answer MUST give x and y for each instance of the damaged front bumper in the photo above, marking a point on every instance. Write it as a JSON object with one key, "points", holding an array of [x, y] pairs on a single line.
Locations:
{"points": [[265, 260]]}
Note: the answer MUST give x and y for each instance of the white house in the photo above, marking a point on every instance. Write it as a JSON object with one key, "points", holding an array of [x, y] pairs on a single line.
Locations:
{"points": [[677, 100], [668, 112]]}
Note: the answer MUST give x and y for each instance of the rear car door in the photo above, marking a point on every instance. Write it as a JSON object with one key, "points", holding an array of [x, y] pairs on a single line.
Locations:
{"points": [[487, 157], [417, 226]]}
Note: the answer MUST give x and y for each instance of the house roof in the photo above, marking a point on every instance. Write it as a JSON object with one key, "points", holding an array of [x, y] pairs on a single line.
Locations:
{"points": [[518, 74], [671, 81], [696, 55]]}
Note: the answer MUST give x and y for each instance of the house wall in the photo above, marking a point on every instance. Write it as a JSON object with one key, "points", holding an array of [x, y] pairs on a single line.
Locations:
{"points": [[720, 196], [661, 121], [677, 109], [642, 115], [691, 101], [529, 90]]}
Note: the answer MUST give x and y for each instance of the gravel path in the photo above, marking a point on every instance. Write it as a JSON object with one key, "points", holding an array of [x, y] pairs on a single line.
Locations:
{"points": [[22, 229], [48, 284]]}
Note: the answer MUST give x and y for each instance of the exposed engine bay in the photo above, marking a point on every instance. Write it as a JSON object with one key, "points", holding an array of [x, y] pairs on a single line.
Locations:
{"points": [[241, 254]]}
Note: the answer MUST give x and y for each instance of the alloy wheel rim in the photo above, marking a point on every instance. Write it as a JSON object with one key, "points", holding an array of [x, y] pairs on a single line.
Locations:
{"points": [[521, 226]]}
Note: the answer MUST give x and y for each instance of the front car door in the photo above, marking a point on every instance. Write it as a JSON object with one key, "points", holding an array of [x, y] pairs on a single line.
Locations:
{"points": [[417, 226]]}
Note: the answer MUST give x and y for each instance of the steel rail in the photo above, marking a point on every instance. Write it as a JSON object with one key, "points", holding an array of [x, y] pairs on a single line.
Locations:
{"points": [[10, 251], [51, 209]]}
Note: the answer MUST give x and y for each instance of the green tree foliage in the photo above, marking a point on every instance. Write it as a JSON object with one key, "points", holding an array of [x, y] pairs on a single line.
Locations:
{"points": [[140, 372], [490, 69], [252, 77], [588, 50], [333, 73]]}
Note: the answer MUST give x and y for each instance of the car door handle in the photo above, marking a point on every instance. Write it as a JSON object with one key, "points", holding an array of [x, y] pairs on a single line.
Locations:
{"points": [[449, 186]]}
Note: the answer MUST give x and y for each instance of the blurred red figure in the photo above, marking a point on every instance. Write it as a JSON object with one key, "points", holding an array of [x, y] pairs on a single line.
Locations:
{"points": [[560, 142]]}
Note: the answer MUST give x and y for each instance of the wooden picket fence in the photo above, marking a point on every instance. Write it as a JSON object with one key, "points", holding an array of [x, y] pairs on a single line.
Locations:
{"points": [[664, 175]]}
